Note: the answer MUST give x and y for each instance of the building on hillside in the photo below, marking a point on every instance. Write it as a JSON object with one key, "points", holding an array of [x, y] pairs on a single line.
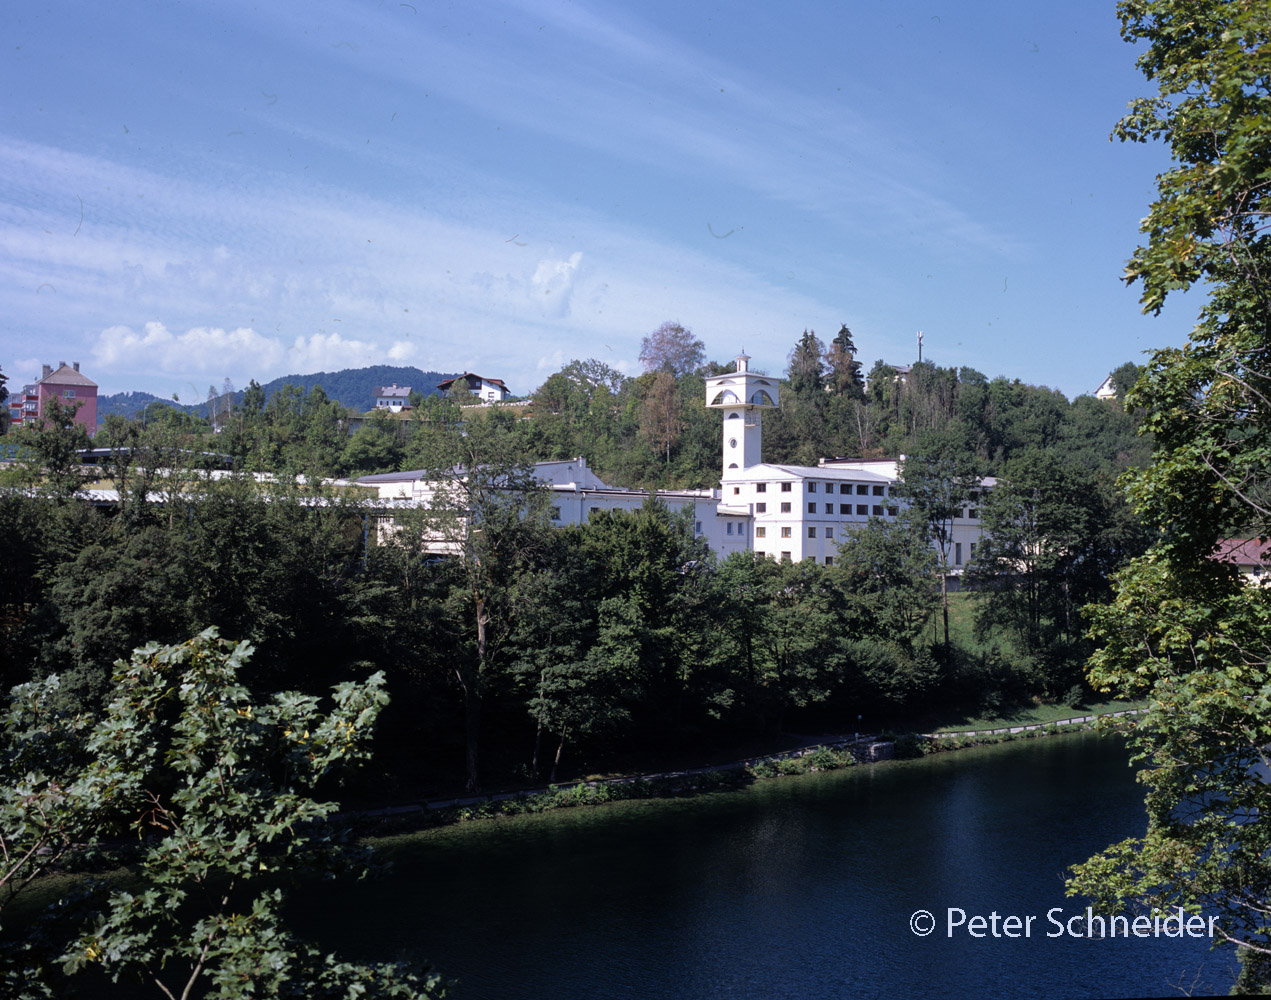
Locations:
{"points": [[899, 373], [393, 398], [803, 512], [65, 383], [488, 390], [578, 494], [788, 512], [1106, 389]]}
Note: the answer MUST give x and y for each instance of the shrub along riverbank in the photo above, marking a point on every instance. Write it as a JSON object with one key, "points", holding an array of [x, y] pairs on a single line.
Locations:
{"points": [[829, 756]]}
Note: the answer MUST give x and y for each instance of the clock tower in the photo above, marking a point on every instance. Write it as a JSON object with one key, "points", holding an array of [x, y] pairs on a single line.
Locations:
{"points": [[743, 396]]}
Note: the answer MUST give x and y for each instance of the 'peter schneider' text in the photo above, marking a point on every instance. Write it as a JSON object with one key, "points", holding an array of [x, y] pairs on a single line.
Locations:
{"points": [[1167, 924]]}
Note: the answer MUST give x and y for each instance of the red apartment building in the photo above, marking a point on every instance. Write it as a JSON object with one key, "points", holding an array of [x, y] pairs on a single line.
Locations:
{"points": [[68, 385]]}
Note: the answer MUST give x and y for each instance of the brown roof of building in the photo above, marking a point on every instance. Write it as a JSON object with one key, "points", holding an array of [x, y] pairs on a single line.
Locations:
{"points": [[1244, 551], [469, 376], [66, 375]]}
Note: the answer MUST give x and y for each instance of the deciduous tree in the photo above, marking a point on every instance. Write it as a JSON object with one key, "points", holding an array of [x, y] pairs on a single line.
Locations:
{"points": [[219, 787], [1182, 628], [487, 514], [1054, 533], [661, 414], [672, 348], [935, 491], [51, 450]]}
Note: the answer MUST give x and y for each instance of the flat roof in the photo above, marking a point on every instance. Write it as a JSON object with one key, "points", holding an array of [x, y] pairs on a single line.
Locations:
{"points": [[768, 471]]}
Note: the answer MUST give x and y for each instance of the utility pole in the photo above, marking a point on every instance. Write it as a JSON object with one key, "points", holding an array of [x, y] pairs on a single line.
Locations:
{"points": [[920, 347]]}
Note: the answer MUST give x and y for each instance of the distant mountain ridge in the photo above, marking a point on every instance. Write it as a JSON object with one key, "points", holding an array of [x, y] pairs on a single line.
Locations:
{"points": [[351, 387]]}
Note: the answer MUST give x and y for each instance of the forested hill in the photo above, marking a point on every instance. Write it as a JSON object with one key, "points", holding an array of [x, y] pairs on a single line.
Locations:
{"points": [[355, 387], [351, 387], [126, 404]]}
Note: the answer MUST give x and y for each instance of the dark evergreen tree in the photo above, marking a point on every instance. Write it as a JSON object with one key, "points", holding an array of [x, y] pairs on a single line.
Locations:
{"points": [[806, 372], [844, 371]]}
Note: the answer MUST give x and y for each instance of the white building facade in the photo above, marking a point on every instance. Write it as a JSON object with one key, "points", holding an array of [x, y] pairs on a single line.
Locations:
{"points": [[803, 512], [577, 494], [790, 512]]}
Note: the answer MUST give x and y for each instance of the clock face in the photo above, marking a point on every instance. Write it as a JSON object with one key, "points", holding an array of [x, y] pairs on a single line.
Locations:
{"points": [[732, 442]]}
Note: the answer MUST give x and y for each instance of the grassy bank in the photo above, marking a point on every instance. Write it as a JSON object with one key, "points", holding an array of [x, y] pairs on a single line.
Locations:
{"points": [[1033, 715]]}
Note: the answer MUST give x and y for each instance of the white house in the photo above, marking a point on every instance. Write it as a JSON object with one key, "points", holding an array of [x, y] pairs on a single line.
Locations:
{"points": [[488, 390], [392, 397]]}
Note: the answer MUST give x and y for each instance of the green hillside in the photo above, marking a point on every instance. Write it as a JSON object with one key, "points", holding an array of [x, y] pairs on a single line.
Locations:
{"points": [[351, 387]]}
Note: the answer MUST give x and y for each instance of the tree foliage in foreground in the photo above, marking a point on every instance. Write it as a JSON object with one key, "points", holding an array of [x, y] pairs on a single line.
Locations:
{"points": [[218, 789], [1182, 626]]}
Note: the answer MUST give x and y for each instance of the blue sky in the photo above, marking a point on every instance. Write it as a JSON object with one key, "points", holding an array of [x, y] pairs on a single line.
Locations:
{"points": [[190, 192]]}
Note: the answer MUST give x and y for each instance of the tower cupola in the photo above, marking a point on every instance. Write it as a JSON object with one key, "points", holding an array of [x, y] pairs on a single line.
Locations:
{"points": [[743, 396]]}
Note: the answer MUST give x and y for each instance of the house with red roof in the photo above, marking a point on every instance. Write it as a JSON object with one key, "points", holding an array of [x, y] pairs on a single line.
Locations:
{"points": [[488, 390], [1252, 557]]}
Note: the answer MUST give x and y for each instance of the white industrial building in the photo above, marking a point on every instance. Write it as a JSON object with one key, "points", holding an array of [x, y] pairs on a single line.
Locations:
{"points": [[792, 512]]}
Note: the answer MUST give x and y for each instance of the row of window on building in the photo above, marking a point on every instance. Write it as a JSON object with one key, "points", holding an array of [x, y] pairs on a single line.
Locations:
{"points": [[862, 489], [844, 509], [829, 533]]}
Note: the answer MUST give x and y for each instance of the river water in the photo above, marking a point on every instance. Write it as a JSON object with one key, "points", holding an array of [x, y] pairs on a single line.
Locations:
{"points": [[800, 887]]}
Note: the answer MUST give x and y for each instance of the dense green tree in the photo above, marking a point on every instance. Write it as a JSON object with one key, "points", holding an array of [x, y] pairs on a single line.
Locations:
{"points": [[584, 671], [115, 594], [802, 642], [655, 565], [376, 446], [460, 391], [1054, 534], [889, 569], [806, 371], [742, 591], [220, 787], [1123, 378], [780, 642], [936, 491], [1182, 627], [21, 547], [488, 513]]}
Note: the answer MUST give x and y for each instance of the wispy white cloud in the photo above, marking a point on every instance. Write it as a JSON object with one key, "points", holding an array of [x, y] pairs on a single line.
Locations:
{"points": [[611, 83], [195, 283]]}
